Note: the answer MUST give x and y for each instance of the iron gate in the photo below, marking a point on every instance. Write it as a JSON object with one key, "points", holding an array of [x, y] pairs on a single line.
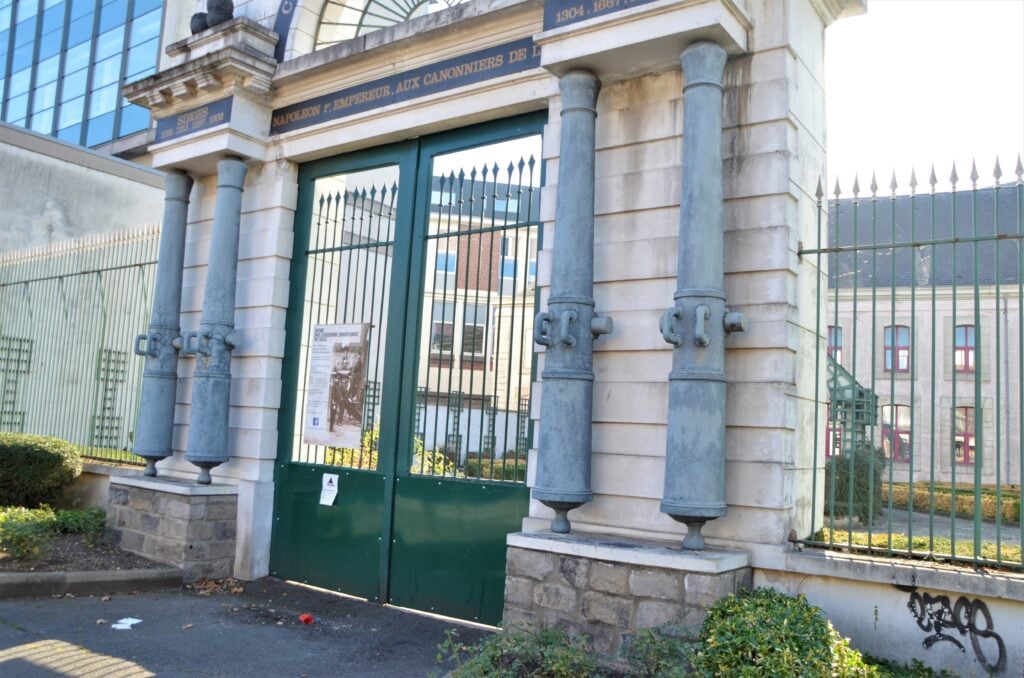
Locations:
{"points": [[408, 369]]}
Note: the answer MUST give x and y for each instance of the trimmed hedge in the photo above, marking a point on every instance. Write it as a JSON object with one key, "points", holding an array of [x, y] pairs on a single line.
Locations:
{"points": [[486, 469], [34, 469], [1009, 505]]}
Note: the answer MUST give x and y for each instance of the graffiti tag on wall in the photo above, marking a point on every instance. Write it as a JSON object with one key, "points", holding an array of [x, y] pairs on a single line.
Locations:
{"points": [[970, 619]]}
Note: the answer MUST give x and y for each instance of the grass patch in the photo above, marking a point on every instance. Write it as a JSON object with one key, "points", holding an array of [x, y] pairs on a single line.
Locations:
{"points": [[921, 545]]}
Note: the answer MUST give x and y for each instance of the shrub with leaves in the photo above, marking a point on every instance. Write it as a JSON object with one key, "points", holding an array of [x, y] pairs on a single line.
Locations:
{"points": [[767, 633], [89, 523], [25, 533], [519, 652], [34, 469], [657, 653], [862, 469]]}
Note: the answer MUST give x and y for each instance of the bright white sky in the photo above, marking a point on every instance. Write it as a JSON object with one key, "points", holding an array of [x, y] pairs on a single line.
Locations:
{"points": [[919, 81]]}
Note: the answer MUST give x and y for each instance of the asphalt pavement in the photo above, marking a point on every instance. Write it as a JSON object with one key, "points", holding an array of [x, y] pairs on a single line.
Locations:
{"points": [[250, 634]]}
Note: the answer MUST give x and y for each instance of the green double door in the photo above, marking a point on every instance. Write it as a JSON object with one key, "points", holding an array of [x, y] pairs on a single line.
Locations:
{"points": [[404, 423]]}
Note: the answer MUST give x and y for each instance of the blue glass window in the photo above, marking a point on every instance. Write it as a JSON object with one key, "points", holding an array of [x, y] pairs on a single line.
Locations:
{"points": [[22, 57], [143, 6], [25, 32], [106, 71], [100, 130], [53, 18], [146, 27], [133, 119], [142, 57], [77, 57], [42, 122], [77, 53], [103, 100], [20, 82], [47, 70], [71, 112], [50, 43], [80, 30], [72, 134], [17, 107], [26, 9], [113, 14], [44, 97], [110, 43], [82, 7], [74, 84]]}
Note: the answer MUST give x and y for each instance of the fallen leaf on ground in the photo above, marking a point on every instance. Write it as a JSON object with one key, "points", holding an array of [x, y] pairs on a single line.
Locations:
{"points": [[208, 587]]}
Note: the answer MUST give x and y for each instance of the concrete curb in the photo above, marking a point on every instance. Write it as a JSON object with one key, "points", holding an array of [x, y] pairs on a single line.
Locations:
{"points": [[35, 584]]}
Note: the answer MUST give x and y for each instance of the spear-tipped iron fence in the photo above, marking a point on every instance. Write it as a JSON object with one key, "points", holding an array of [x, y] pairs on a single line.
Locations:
{"points": [[919, 377]]}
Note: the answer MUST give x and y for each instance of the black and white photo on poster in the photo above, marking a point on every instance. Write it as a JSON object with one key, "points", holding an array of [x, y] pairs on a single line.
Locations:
{"points": [[335, 385]]}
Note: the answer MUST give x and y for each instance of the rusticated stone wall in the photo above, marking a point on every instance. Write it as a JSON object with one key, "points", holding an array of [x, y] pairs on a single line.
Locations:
{"points": [[175, 523], [607, 600]]}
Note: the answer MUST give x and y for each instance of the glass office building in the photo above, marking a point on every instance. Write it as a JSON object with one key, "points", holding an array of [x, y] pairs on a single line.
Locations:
{"points": [[63, 62]]}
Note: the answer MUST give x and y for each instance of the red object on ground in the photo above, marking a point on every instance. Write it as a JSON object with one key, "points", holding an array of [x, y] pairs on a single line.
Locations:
{"points": [[306, 618]]}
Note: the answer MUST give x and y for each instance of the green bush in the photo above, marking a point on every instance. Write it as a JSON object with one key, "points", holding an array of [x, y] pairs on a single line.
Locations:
{"points": [[863, 469], [767, 633], [431, 463], [34, 469], [90, 523], [654, 653], [507, 469], [518, 652], [25, 533]]}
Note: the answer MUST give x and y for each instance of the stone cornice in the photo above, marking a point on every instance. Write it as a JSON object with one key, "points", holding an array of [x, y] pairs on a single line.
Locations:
{"points": [[832, 10], [236, 57]]}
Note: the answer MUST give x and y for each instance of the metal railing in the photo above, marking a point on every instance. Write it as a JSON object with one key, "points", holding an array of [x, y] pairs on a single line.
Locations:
{"points": [[68, 313], [919, 381]]}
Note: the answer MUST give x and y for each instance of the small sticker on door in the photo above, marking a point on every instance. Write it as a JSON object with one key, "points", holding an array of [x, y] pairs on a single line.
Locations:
{"points": [[329, 489]]}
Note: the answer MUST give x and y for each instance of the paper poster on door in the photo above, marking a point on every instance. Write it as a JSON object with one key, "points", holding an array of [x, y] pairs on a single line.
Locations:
{"points": [[335, 386]]}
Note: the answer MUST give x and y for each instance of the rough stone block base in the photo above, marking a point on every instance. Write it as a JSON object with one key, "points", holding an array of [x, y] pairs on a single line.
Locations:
{"points": [[175, 522], [608, 587]]}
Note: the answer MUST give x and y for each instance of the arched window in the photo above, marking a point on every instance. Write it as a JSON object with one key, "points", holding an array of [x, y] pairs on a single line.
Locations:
{"points": [[345, 19]]}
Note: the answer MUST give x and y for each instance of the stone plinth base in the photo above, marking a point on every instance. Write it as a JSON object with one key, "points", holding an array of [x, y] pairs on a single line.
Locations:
{"points": [[606, 587], [175, 522]]}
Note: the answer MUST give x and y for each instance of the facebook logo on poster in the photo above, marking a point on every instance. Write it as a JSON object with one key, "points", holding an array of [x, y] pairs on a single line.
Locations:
{"points": [[316, 421]]}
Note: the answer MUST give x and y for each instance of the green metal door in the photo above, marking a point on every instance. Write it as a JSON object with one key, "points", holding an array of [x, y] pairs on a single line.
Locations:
{"points": [[408, 367]]}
